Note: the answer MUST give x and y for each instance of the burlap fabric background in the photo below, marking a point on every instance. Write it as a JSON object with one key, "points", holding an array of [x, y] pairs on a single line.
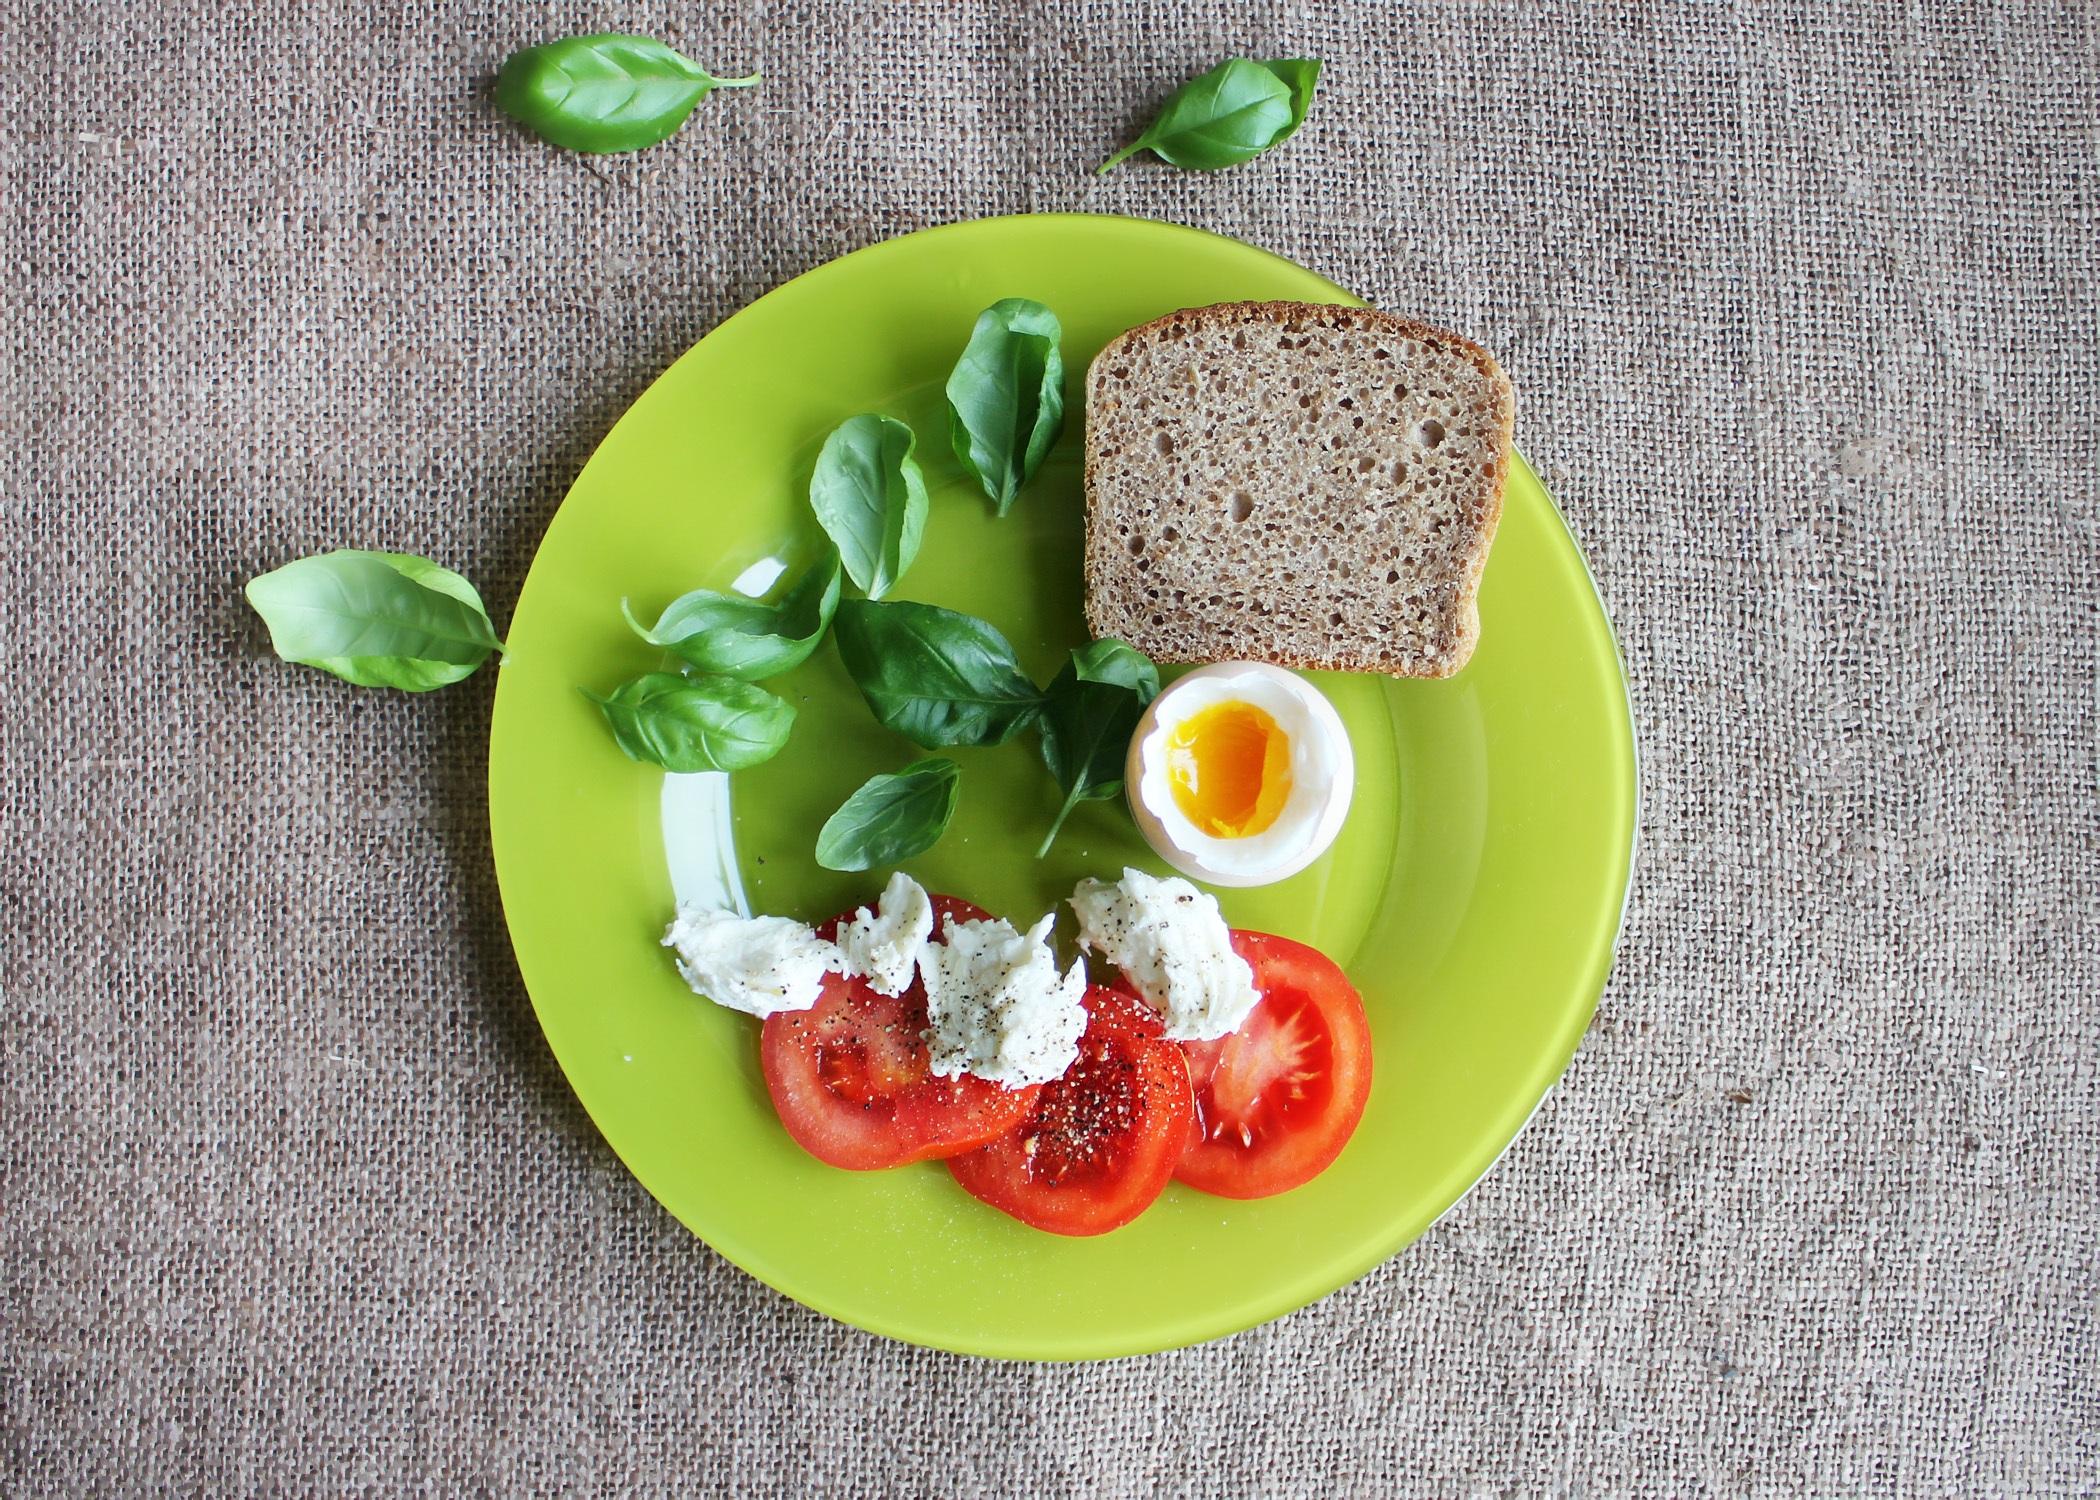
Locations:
{"points": [[1800, 305]]}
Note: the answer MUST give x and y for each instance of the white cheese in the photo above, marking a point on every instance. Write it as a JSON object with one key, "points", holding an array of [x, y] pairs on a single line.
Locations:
{"points": [[883, 947], [757, 965], [997, 1006], [1171, 940]]}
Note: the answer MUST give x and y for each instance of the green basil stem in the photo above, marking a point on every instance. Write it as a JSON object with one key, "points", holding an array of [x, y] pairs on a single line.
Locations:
{"points": [[1064, 810]]}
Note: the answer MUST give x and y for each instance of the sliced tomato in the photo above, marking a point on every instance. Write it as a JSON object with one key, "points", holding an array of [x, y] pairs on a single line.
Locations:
{"points": [[1278, 1099], [1101, 1141], [854, 1084]]}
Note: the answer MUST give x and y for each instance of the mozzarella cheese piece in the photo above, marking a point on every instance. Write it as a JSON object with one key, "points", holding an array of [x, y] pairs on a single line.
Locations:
{"points": [[884, 946], [997, 1006], [1172, 942], [758, 965]]}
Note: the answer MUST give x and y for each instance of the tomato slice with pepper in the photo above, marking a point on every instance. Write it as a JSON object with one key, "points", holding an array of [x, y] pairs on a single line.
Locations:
{"points": [[1278, 1099], [854, 1084], [1102, 1141]]}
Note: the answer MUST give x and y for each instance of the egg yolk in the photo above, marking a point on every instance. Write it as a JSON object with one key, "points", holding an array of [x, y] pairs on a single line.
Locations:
{"points": [[1230, 768]]}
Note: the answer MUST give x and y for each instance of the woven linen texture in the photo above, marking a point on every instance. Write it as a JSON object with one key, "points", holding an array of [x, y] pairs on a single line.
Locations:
{"points": [[1799, 302]]}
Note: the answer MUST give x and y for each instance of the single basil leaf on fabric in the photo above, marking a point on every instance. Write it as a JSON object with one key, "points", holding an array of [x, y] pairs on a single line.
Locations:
{"points": [[607, 92], [1089, 714], [891, 818], [1006, 397], [934, 676], [870, 498], [739, 637], [378, 619], [696, 723], [1301, 75], [1231, 114]]}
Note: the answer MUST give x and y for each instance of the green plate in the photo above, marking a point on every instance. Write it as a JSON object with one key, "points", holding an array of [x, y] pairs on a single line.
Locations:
{"points": [[1474, 895]]}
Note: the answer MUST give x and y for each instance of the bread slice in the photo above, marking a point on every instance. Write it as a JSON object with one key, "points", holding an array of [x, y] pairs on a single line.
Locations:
{"points": [[1295, 483]]}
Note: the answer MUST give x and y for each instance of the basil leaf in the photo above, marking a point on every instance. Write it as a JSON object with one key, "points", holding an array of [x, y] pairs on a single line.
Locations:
{"points": [[740, 637], [870, 498], [891, 818], [378, 619], [934, 676], [696, 723], [1089, 715], [1006, 398], [1114, 663], [1230, 115], [1301, 75], [607, 92]]}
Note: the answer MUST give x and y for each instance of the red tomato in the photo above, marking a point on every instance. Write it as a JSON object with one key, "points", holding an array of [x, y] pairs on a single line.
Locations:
{"points": [[1102, 1140], [853, 1082], [1278, 1099]]}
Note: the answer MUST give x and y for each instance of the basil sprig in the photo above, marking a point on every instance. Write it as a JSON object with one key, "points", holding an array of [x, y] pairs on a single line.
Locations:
{"points": [[870, 498], [607, 92], [891, 818], [1089, 713], [1006, 397], [740, 637], [378, 619], [696, 723], [1230, 115], [936, 677]]}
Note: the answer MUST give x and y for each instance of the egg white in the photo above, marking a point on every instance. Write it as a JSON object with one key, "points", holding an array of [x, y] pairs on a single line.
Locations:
{"points": [[1323, 776]]}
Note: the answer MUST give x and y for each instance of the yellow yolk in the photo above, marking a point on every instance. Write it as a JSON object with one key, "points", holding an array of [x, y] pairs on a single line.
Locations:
{"points": [[1230, 768]]}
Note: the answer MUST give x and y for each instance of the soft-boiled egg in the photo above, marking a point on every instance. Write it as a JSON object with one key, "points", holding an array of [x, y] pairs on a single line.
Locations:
{"points": [[1240, 774]]}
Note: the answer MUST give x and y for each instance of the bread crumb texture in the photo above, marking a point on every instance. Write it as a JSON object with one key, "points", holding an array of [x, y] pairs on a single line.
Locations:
{"points": [[1295, 483]]}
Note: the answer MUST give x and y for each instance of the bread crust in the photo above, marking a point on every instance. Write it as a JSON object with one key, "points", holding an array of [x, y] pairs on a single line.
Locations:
{"points": [[1439, 648]]}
